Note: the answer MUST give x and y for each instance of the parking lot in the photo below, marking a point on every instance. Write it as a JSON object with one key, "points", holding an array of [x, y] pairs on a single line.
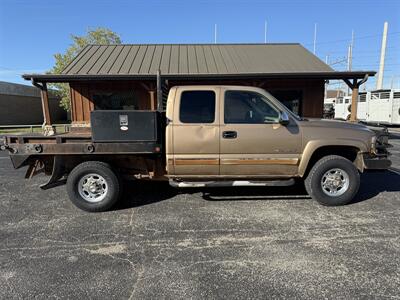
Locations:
{"points": [[222, 243]]}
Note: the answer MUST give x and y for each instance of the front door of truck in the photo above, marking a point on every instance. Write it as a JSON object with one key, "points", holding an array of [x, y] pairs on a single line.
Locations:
{"points": [[195, 132], [253, 142]]}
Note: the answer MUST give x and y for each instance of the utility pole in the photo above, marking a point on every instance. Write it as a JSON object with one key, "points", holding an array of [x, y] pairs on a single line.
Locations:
{"points": [[379, 82], [215, 33], [315, 36], [350, 57], [265, 32], [350, 53]]}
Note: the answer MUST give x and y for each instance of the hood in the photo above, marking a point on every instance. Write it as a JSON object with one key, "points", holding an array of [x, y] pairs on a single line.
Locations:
{"points": [[335, 124]]}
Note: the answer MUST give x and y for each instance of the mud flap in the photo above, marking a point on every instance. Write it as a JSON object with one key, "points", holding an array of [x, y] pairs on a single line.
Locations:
{"points": [[56, 175]]}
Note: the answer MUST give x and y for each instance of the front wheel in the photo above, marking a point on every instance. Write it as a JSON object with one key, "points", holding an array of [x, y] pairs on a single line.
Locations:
{"points": [[333, 180], [93, 186]]}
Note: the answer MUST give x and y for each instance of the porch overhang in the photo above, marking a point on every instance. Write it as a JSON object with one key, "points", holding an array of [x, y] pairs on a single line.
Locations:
{"points": [[328, 75]]}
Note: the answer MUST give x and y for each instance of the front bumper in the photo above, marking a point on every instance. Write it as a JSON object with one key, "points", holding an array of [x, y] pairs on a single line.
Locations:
{"points": [[378, 159], [376, 163]]}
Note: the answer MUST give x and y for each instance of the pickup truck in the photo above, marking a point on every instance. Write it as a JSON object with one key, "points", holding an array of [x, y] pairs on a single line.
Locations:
{"points": [[208, 136]]}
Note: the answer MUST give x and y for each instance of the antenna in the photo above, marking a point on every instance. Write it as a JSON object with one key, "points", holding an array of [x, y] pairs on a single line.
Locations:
{"points": [[265, 32], [315, 36], [379, 82], [215, 33]]}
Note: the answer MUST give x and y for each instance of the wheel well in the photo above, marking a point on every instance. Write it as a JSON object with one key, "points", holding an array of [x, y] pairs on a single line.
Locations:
{"points": [[348, 152]]}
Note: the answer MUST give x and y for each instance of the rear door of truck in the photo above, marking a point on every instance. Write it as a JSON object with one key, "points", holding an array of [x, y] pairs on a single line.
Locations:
{"points": [[194, 132]]}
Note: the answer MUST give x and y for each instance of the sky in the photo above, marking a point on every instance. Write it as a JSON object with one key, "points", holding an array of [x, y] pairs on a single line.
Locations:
{"points": [[31, 32]]}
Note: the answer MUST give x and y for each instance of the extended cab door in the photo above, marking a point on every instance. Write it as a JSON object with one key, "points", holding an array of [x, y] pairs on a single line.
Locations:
{"points": [[193, 132], [253, 142]]}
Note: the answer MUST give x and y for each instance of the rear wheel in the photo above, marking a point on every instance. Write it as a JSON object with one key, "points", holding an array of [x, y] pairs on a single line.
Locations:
{"points": [[93, 186], [333, 180]]}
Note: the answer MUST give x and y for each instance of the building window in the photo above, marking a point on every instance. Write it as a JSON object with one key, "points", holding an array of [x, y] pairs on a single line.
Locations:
{"points": [[248, 108], [197, 107], [292, 99], [115, 100]]}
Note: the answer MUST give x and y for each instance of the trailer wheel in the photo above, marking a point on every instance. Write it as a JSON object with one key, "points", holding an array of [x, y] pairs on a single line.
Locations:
{"points": [[333, 180], [93, 186]]}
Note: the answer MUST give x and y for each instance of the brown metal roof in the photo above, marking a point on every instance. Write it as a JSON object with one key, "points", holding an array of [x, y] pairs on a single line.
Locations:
{"points": [[194, 59], [191, 60]]}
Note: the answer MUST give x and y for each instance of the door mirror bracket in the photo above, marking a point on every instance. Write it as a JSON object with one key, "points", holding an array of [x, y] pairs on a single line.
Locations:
{"points": [[284, 118]]}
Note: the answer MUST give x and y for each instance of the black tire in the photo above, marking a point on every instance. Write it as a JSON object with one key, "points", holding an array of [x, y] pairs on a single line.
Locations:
{"points": [[313, 180], [111, 179]]}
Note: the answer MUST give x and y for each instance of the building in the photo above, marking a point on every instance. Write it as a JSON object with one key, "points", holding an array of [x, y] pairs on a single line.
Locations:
{"points": [[129, 76], [331, 96], [20, 105]]}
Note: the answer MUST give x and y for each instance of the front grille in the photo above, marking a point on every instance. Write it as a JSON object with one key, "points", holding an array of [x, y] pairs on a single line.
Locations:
{"points": [[382, 142]]}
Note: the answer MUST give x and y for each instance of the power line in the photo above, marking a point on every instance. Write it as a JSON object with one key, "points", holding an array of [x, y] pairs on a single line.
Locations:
{"points": [[347, 40]]}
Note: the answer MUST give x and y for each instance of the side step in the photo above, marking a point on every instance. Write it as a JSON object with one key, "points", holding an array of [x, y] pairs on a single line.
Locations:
{"points": [[202, 184]]}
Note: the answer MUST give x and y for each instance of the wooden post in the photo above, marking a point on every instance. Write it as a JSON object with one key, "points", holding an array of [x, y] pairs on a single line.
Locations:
{"points": [[159, 92], [354, 100], [45, 105], [152, 100]]}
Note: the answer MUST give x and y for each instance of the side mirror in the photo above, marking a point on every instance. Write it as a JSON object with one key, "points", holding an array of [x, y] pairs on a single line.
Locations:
{"points": [[284, 118]]}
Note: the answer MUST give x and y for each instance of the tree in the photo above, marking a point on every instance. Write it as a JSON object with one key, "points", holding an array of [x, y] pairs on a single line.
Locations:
{"points": [[100, 36]]}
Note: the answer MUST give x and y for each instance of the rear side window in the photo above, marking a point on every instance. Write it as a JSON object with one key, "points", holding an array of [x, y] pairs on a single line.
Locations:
{"points": [[197, 107]]}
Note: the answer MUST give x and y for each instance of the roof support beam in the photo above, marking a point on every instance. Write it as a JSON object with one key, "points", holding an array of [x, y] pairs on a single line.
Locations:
{"points": [[159, 92], [354, 98], [44, 95], [355, 85], [152, 100], [45, 105]]}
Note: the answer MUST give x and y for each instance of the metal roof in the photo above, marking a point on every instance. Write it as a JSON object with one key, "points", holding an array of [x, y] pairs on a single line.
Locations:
{"points": [[10, 88], [16, 89], [191, 60]]}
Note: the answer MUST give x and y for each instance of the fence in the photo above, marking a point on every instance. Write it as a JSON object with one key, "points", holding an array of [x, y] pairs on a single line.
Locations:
{"points": [[31, 128]]}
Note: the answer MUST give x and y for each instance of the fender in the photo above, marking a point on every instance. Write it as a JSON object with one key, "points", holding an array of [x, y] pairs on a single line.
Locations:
{"points": [[314, 145]]}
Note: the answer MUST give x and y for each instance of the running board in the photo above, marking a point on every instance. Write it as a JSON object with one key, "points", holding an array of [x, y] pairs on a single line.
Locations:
{"points": [[201, 184]]}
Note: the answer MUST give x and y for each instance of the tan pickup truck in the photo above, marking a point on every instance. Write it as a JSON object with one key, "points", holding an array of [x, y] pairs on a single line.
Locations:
{"points": [[208, 136]]}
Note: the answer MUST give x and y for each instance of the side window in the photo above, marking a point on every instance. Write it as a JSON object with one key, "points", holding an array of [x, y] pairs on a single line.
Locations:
{"points": [[197, 107], [242, 107], [115, 100]]}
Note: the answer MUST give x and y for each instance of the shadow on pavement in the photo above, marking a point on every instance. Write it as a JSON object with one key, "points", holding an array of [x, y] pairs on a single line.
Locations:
{"points": [[295, 192], [374, 183], [138, 193], [144, 193]]}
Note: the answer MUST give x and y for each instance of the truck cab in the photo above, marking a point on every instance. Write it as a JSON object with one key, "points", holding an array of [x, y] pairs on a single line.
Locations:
{"points": [[230, 132]]}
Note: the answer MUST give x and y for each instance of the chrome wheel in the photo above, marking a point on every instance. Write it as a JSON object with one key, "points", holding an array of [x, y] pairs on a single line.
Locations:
{"points": [[93, 187], [335, 182]]}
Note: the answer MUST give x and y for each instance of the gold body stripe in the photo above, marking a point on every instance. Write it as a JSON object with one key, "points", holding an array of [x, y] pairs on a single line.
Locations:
{"points": [[229, 161], [200, 161], [255, 161]]}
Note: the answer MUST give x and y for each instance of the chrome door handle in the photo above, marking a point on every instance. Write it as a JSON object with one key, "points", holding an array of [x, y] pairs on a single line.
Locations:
{"points": [[229, 134]]}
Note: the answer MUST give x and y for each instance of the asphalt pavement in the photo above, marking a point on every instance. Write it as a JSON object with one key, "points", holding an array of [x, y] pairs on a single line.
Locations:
{"points": [[223, 243]]}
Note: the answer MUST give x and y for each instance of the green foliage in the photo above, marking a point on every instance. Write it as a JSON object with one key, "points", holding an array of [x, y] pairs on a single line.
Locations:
{"points": [[100, 36]]}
